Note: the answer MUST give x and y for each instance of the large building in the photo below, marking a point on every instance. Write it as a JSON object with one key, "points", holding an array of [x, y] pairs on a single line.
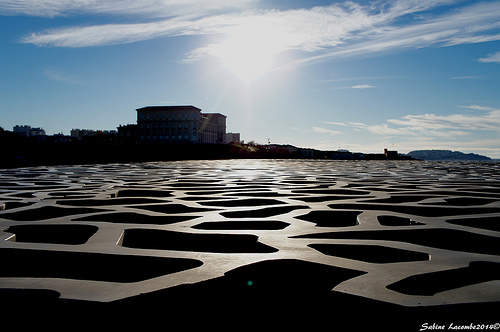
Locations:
{"points": [[180, 124]]}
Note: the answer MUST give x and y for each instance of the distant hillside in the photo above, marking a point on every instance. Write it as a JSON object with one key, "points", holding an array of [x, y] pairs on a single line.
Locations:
{"points": [[446, 155]]}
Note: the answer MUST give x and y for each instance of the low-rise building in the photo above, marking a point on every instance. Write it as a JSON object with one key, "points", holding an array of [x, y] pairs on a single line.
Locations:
{"points": [[233, 138], [28, 131], [81, 133]]}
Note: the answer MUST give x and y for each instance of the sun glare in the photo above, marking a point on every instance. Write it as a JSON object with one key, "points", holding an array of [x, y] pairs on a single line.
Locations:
{"points": [[249, 51]]}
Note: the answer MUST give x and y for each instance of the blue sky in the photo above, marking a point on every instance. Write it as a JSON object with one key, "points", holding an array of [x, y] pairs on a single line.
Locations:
{"points": [[357, 75]]}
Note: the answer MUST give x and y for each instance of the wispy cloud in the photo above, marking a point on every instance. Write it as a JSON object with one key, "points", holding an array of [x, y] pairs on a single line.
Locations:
{"points": [[59, 76], [364, 78], [322, 130], [359, 86], [322, 32], [111, 34], [362, 86], [147, 8], [465, 122], [472, 77], [434, 126], [480, 108], [495, 57], [463, 26]]}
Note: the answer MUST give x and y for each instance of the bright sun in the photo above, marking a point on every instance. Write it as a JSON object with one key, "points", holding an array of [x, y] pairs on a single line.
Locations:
{"points": [[249, 51]]}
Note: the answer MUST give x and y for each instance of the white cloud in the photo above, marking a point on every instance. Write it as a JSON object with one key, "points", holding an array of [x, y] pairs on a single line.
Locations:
{"points": [[149, 8], [479, 108], [458, 27], [433, 126], [466, 77], [424, 122], [358, 86], [335, 123], [495, 57], [111, 34], [385, 130], [326, 131], [478, 132], [338, 30], [362, 86]]}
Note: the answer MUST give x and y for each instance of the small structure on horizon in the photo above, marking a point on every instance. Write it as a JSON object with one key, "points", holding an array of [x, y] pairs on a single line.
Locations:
{"points": [[391, 155]]}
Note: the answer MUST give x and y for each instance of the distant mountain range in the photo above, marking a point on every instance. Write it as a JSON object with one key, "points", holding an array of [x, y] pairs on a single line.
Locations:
{"points": [[446, 155]]}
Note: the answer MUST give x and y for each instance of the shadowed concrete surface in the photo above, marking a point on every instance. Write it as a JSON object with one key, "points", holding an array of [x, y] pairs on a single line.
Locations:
{"points": [[354, 245]]}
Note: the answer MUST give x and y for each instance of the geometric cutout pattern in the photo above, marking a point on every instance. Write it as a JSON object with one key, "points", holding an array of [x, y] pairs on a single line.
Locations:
{"points": [[408, 233]]}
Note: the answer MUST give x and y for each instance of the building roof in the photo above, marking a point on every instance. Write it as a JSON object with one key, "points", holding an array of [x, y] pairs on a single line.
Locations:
{"points": [[213, 114], [169, 108]]}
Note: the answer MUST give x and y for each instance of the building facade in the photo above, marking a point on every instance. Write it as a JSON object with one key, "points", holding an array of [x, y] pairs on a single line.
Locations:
{"points": [[180, 124], [28, 131], [233, 138], [213, 128]]}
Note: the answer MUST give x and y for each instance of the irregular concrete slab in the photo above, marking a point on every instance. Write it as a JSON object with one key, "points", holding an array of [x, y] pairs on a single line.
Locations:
{"points": [[56, 234], [167, 240], [27, 263]]}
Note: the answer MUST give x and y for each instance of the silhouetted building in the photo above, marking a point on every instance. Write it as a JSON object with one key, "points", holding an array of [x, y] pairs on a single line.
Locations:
{"points": [[80, 133], [27, 131], [180, 124], [59, 138], [128, 133], [391, 155]]}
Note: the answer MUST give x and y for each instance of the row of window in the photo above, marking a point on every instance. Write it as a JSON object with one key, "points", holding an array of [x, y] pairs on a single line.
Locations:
{"points": [[168, 125], [169, 137], [168, 116]]}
